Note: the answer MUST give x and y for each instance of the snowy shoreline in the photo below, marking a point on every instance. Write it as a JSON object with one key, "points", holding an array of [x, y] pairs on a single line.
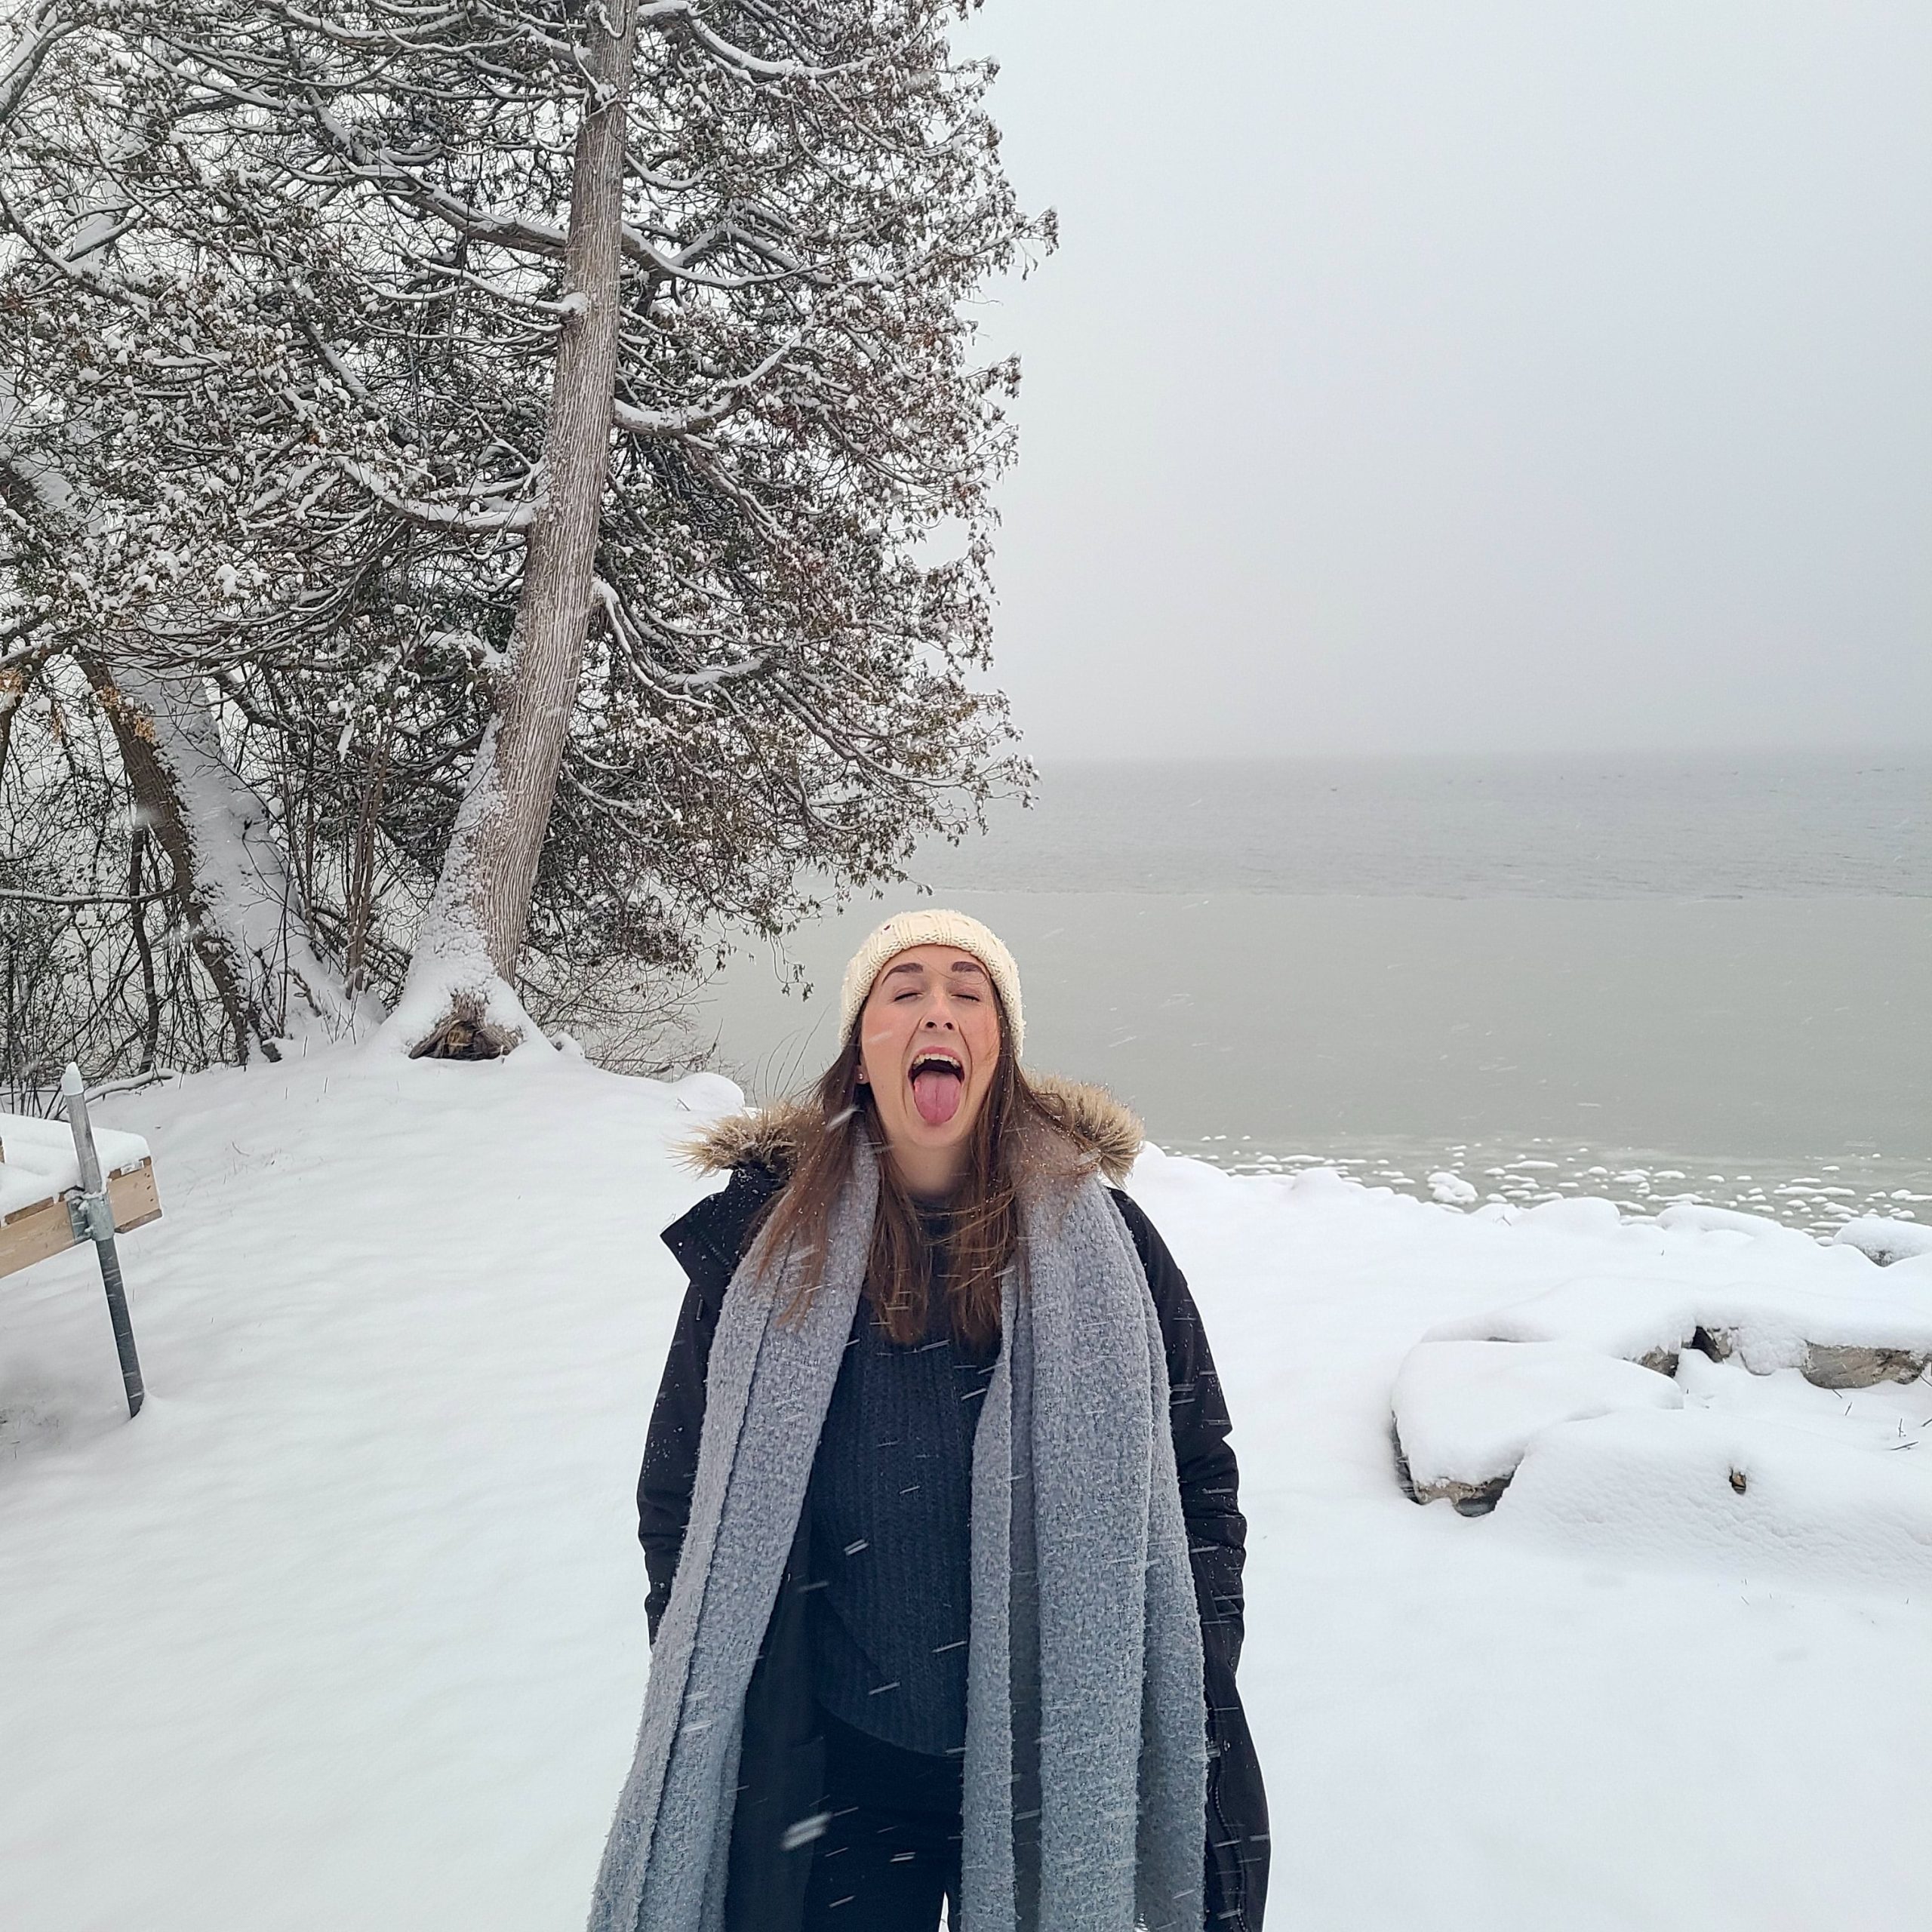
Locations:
{"points": [[347, 1629], [1818, 1196]]}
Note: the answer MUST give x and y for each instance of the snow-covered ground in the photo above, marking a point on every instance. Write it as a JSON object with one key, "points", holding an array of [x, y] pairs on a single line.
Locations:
{"points": [[345, 1631]]}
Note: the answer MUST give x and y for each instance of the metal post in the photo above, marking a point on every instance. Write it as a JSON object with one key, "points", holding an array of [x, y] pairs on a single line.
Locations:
{"points": [[92, 1218]]}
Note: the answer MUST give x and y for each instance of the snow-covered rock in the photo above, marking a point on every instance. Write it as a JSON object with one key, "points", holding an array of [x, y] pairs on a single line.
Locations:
{"points": [[1465, 1412], [1641, 1319], [1578, 1214], [1697, 1216], [1837, 1341], [1885, 1239], [1876, 1331]]}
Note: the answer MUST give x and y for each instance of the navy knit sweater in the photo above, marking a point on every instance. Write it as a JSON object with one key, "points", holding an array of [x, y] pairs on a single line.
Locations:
{"points": [[891, 1501]]}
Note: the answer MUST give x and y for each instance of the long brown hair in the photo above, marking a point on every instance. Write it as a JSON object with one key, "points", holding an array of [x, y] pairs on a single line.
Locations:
{"points": [[1015, 1139]]}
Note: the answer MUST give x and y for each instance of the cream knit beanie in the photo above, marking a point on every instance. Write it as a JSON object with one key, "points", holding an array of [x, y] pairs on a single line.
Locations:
{"points": [[930, 928]]}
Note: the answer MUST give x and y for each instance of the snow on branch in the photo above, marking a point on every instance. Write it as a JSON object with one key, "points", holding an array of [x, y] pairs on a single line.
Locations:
{"points": [[40, 28], [76, 899], [725, 399], [661, 14], [393, 173], [610, 605], [476, 522]]}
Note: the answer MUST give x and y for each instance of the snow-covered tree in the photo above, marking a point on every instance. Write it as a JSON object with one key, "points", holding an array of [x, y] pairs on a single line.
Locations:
{"points": [[127, 758], [289, 302]]}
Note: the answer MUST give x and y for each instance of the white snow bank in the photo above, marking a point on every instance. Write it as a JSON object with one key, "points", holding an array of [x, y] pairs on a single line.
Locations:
{"points": [[38, 1161], [346, 1630], [1732, 1493], [1466, 1411], [1884, 1239]]}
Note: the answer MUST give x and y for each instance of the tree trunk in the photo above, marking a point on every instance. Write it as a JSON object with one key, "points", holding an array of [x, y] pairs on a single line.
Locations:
{"points": [[460, 1002], [12, 694], [359, 909], [231, 886]]}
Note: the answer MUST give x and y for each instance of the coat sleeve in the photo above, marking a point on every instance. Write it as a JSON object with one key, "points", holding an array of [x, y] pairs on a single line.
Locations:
{"points": [[1237, 1837], [1210, 1481], [670, 1446], [707, 1242]]}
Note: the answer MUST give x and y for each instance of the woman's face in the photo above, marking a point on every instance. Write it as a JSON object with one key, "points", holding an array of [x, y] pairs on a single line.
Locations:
{"points": [[929, 1040]]}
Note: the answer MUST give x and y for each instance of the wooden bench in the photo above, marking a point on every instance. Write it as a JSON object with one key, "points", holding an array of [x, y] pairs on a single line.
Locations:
{"points": [[35, 1175], [62, 1182]]}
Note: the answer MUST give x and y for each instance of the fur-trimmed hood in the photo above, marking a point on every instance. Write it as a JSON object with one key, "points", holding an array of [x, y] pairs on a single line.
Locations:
{"points": [[1089, 1117]]}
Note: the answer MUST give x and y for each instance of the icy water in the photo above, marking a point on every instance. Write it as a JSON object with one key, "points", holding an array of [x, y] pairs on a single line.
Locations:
{"points": [[1644, 979]]}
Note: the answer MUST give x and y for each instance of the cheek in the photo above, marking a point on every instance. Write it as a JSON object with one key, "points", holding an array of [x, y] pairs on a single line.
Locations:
{"points": [[878, 1047], [984, 1037]]}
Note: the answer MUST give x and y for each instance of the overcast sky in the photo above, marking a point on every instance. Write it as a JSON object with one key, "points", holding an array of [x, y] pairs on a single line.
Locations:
{"points": [[1469, 376]]}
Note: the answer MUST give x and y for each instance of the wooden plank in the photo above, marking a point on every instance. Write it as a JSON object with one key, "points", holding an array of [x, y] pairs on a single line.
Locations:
{"points": [[39, 1232], [134, 1198], [36, 1234]]}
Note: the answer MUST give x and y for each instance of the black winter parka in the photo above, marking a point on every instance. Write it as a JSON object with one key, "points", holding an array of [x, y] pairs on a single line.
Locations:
{"points": [[782, 1764]]}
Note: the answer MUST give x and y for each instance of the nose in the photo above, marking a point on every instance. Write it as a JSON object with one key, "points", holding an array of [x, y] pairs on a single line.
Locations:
{"points": [[940, 1020]]}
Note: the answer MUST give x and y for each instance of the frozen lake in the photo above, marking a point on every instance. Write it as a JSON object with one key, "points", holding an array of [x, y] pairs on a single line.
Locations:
{"points": [[1641, 979]]}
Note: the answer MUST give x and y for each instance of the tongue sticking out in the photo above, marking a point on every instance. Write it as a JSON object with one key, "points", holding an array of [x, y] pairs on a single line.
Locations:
{"points": [[936, 1095]]}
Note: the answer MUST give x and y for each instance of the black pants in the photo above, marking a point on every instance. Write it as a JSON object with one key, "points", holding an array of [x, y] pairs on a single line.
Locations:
{"points": [[890, 1851]]}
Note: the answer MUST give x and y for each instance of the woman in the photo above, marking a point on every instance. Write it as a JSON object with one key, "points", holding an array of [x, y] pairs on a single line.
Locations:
{"points": [[939, 1512]]}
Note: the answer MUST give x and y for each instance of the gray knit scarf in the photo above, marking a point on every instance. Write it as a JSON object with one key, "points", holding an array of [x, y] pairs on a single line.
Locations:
{"points": [[1085, 1790]]}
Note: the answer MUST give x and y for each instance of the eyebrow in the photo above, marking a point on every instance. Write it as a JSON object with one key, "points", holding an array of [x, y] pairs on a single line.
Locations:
{"points": [[919, 966]]}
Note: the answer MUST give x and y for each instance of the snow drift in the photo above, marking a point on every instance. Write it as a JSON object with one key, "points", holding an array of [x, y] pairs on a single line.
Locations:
{"points": [[347, 1629]]}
